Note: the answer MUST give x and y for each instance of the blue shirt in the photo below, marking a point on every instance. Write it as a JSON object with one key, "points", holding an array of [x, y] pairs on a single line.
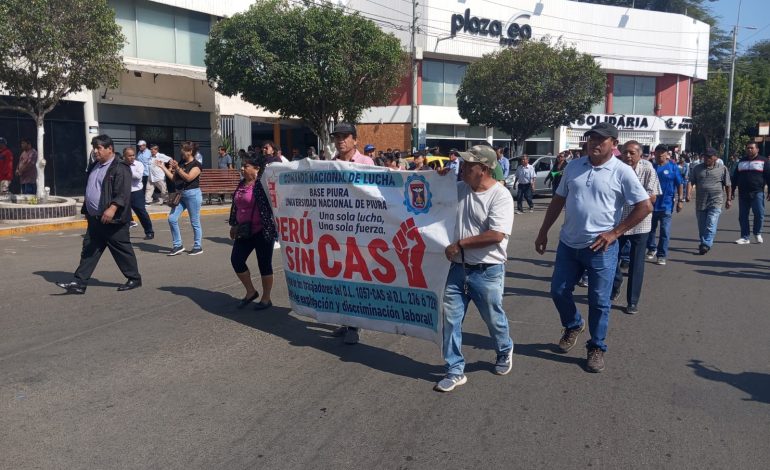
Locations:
{"points": [[145, 156], [595, 198], [455, 166], [94, 187], [505, 166], [670, 179]]}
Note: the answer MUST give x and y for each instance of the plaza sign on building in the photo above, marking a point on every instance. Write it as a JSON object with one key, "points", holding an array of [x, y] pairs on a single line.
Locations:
{"points": [[514, 32]]}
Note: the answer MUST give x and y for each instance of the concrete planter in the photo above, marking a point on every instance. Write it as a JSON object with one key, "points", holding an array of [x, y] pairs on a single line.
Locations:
{"points": [[18, 209]]}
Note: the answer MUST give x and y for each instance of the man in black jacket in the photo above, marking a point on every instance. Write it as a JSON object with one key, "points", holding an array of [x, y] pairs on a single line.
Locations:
{"points": [[107, 207]]}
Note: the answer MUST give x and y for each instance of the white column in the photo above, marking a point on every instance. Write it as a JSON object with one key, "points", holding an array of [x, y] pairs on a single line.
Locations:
{"points": [[91, 118]]}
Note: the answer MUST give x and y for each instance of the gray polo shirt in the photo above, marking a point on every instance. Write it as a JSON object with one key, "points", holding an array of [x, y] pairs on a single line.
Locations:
{"points": [[710, 183]]}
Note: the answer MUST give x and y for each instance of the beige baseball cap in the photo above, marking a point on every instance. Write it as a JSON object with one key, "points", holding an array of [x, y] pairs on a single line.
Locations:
{"points": [[483, 154]]}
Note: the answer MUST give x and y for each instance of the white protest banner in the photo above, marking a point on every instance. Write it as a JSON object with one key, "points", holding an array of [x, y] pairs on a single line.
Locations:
{"points": [[364, 246]]}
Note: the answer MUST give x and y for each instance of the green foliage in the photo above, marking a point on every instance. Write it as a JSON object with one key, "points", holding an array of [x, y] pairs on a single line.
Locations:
{"points": [[528, 89], [50, 48], [314, 62], [710, 107]]}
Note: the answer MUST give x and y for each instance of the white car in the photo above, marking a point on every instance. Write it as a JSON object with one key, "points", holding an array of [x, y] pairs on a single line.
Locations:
{"points": [[542, 164]]}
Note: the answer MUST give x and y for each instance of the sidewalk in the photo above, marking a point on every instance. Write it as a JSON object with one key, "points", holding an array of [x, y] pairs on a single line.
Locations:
{"points": [[156, 211]]}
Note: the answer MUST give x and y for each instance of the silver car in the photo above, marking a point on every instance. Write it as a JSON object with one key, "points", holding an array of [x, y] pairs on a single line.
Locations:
{"points": [[542, 164]]}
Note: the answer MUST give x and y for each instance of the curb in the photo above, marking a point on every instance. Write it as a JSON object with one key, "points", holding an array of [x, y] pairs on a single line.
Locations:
{"points": [[81, 224]]}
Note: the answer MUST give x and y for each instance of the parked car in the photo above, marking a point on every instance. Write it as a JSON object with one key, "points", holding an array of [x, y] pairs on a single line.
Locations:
{"points": [[436, 162], [542, 164]]}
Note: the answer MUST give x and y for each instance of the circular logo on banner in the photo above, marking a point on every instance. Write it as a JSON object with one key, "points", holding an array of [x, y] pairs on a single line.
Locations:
{"points": [[417, 197]]}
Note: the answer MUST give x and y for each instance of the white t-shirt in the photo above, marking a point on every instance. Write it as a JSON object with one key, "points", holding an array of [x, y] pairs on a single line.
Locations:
{"points": [[156, 174], [137, 172], [478, 212]]}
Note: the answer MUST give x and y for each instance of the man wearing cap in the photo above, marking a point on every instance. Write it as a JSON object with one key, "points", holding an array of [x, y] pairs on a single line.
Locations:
{"points": [[6, 166], [455, 163], [345, 135], [157, 178], [143, 155], [593, 189], [712, 183], [478, 255], [671, 181], [369, 152]]}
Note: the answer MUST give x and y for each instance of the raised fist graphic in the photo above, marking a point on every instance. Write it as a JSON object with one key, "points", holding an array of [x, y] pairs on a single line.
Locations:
{"points": [[410, 249]]}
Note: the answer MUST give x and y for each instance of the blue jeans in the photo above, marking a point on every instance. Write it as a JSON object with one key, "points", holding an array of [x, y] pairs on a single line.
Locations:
{"points": [[756, 203], [525, 192], [664, 219], [707, 224], [601, 266], [625, 249], [485, 288], [192, 199], [28, 188], [636, 244]]}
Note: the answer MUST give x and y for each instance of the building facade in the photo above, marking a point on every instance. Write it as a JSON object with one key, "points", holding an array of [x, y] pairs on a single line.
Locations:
{"points": [[651, 61]]}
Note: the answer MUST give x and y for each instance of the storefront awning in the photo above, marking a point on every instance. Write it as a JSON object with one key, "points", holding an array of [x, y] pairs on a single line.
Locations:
{"points": [[164, 68]]}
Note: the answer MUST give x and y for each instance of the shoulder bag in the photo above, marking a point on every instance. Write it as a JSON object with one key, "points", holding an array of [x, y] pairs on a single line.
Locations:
{"points": [[243, 230]]}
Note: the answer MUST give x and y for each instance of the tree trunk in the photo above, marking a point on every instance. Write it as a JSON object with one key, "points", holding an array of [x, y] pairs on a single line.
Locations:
{"points": [[40, 158], [326, 142]]}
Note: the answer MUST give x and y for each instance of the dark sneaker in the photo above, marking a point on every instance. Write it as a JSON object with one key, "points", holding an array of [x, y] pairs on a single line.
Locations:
{"points": [[569, 337], [595, 362], [504, 363], [195, 251], [632, 309], [351, 336], [583, 282], [624, 265], [132, 224], [448, 383], [176, 250]]}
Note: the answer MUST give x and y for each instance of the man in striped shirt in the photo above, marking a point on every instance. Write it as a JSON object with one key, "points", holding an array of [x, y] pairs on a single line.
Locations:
{"points": [[637, 236]]}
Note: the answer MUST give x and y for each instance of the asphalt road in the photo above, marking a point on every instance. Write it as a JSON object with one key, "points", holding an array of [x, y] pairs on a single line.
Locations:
{"points": [[172, 376]]}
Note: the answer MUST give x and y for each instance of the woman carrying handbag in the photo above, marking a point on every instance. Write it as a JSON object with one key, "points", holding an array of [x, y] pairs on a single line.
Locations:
{"points": [[252, 228], [186, 177]]}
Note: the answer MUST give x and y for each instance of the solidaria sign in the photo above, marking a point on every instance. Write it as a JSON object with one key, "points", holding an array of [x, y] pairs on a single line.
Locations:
{"points": [[492, 28]]}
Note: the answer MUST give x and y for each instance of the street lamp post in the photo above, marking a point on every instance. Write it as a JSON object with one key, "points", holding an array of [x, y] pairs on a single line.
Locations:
{"points": [[728, 117]]}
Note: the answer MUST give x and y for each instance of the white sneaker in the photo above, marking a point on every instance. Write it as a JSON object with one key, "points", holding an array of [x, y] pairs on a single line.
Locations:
{"points": [[650, 255], [758, 239], [742, 241], [661, 261]]}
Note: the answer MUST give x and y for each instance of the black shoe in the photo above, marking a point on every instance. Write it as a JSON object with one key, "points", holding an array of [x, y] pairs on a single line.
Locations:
{"points": [[632, 309], [130, 284], [263, 306], [703, 249], [149, 236], [247, 300], [624, 265], [72, 287]]}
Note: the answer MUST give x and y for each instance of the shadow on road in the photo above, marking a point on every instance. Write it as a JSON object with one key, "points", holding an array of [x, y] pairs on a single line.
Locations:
{"points": [[543, 263], [63, 276], [524, 292], [222, 240], [301, 333], [755, 384], [548, 352], [151, 247]]}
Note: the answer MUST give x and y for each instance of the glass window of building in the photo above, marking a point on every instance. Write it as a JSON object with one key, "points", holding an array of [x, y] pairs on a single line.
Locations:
{"points": [[440, 82], [162, 33], [633, 95]]}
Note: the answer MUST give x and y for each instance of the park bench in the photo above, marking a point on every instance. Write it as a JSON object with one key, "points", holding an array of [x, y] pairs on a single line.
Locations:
{"points": [[218, 183]]}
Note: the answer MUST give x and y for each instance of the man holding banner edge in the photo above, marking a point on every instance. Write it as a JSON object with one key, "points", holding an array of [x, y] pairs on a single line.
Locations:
{"points": [[477, 273]]}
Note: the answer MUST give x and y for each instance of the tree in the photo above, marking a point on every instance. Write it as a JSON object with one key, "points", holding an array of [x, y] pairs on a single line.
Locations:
{"points": [[528, 89], [51, 48], [710, 107], [313, 61]]}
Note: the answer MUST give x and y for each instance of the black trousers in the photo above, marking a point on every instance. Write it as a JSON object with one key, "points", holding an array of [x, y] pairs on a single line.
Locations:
{"points": [[100, 236], [525, 192], [138, 206]]}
